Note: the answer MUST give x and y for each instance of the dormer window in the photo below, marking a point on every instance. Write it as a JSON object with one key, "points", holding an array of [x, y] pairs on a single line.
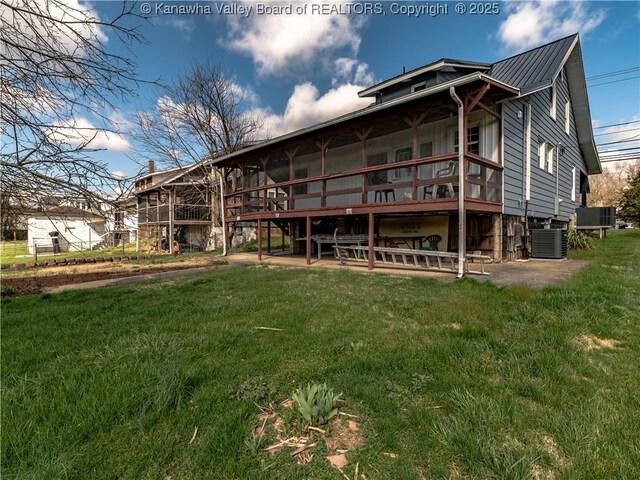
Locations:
{"points": [[418, 86], [552, 108]]}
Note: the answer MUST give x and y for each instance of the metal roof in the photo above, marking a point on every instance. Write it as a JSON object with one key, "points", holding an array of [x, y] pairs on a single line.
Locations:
{"points": [[408, 76], [537, 69], [534, 69]]}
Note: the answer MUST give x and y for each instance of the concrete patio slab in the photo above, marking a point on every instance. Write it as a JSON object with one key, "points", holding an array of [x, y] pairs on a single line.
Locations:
{"points": [[532, 273]]}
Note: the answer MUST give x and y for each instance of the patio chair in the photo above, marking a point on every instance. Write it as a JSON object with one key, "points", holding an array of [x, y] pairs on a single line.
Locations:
{"points": [[430, 242]]}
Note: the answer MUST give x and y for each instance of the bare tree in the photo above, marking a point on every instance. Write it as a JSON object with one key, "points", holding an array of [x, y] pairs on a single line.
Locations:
{"points": [[55, 73], [203, 114], [607, 188]]}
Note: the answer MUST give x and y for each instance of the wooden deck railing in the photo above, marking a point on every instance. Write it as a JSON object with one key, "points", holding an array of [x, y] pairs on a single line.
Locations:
{"points": [[431, 179], [182, 213]]}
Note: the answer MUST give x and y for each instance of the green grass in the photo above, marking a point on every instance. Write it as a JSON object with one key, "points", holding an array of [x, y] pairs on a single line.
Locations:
{"points": [[459, 379], [17, 252]]}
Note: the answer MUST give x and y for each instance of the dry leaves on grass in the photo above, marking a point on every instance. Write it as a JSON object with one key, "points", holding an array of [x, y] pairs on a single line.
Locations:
{"points": [[341, 436]]}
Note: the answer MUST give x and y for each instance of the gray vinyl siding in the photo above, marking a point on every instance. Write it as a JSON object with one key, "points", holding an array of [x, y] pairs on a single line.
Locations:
{"points": [[543, 183], [431, 79]]}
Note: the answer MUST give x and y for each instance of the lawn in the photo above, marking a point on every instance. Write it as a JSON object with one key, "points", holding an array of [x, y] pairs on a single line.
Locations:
{"points": [[458, 380], [16, 252]]}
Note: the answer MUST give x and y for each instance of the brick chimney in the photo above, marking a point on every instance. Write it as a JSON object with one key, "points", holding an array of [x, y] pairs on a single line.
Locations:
{"points": [[152, 166]]}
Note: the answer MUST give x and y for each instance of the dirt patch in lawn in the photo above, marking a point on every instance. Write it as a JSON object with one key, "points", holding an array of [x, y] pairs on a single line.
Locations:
{"points": [[101, 270], [591, 342], [279, 427]]}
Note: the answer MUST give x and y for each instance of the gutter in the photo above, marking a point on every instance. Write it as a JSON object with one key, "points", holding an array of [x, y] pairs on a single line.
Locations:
{"points": [[462, 136]]}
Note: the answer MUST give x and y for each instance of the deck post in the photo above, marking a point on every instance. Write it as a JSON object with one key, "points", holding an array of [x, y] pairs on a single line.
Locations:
{"points": [[269, 237], [170, 232], [308, 240], [371, 253], [259, 240]]}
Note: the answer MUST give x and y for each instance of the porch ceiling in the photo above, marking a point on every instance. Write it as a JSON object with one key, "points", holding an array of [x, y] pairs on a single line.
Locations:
{"points": [[386, 116]]}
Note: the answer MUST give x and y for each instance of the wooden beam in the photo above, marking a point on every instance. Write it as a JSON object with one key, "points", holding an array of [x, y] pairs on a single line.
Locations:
{"points": [[491, 112], [308, 240], [371, 234], [473, 101], [269, 237]]}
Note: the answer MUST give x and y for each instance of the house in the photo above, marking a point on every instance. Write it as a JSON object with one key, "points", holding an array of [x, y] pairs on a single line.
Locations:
{"points": [[121, 221], [180, 201], [397, 174], [64, 229]]}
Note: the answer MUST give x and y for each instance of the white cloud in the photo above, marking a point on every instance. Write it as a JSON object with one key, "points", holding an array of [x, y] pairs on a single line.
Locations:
{"points": [[306, 107], [280, 43], [118, 175], [351, 70], [81, 130], [532, 24], [72, 23], [184, 25]]}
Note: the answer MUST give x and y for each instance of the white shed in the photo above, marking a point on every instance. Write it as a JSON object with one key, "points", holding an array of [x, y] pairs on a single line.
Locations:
{"points": [[70, 228]]}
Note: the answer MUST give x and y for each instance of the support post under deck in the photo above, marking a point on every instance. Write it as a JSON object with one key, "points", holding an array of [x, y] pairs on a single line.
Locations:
{"points": [[371, 252], [259, 240], [308, 240]]}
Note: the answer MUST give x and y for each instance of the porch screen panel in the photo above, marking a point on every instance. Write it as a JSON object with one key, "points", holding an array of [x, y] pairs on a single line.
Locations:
{"points": [[344, 152], [438, 180], [336, 195], [484, 183]]}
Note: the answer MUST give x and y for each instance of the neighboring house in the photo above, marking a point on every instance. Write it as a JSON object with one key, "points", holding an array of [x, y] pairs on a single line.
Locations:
{"points": [[121, 222], [178, 204], [391, 170], [64, 229]]}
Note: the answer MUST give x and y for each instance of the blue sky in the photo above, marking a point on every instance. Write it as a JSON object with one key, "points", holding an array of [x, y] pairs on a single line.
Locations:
{"points": [[303, 69]]}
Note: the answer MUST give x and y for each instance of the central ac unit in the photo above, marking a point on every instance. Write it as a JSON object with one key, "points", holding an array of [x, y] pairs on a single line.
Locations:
{"points": [[549, 243]]}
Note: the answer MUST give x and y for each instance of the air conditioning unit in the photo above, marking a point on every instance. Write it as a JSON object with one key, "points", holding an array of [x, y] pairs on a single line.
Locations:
{"points": [[595, 217], [549, 243]]}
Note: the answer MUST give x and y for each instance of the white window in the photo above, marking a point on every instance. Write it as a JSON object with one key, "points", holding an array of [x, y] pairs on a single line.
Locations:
{"points": [[418, 86], [550, 152], [552, 109], [473, 140], [542, 154], [573, 184], [567, 117]]}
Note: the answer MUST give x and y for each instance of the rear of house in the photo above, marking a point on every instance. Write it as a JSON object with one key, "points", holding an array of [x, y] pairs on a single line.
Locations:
{"points": [[388, 175]]}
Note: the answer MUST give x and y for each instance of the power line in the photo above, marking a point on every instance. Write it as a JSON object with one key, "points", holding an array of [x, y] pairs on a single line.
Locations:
{"points": [[621, 160], [617, 131], [621, 149], [617, 124], [626, 140], [612, 74], [613, 81]]}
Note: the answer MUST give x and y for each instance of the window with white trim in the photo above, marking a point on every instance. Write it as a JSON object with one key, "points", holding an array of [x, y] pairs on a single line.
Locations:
{"points": [[567, 117], [552, 108], [573, 184], [550, 152], [473, 140], [542, 154]]}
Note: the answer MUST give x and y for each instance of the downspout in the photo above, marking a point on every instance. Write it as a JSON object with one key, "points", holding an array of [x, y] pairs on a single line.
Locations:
{"points": [[224, 227], [461, 186], [558, 201]]}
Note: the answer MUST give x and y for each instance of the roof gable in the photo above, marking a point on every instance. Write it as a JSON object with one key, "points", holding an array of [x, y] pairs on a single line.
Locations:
{"points": [[534, 69]]}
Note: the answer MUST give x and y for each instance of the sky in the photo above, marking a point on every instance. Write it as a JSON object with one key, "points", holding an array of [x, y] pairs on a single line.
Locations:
{"points": [[300, 69]]}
